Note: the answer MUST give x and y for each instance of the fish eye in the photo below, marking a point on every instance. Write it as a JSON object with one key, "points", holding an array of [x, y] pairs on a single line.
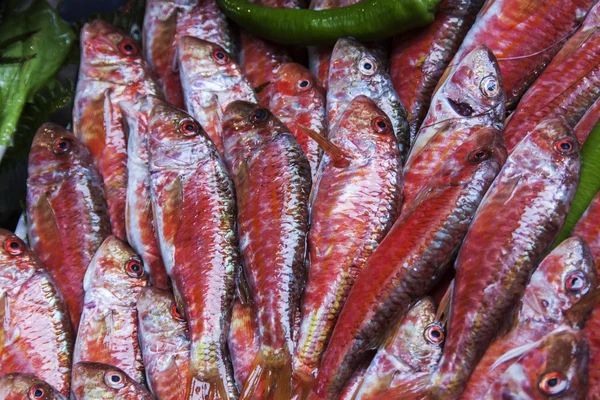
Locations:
{"points": [[14, 246], [175, 313], [564, 146], [37, 392], [61, 146], [552, 383], [575, 282], [189, 127], [381, 125], [478, 155], [128, 47], [489, 87], [220, 56], [115, 379], [303, 84], [259, 115], [367, 66], [434, 334], [134, 268]]}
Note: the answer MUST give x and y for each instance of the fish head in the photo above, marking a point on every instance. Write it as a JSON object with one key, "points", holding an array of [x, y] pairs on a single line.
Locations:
{"points": [[175, 139], [351, 61], [562, 279], [159, 315], [55, 153], [108, 54], [294, 80], [95, 381], [365, 131], [555, 369], [474, 88], [17, 386], [18, 262], [117, 270]]}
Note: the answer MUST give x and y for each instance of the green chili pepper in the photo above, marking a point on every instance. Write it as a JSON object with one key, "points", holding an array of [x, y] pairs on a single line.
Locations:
{"points": [[369, 20], [589, 184]]}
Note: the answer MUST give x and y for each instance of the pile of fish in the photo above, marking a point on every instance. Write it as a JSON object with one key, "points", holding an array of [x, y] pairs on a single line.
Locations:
{"points": [[223, 222]]}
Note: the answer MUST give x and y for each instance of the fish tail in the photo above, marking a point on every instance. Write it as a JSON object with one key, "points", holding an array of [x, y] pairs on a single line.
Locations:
{"points": [[302, 385], [270, 377], [207, 388]]}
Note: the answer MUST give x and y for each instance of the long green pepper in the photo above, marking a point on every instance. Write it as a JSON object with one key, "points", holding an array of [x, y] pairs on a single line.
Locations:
{"points": [[368, 20]]}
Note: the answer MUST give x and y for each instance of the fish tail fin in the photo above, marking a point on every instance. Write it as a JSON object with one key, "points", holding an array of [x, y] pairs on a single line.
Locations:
{"points": [[210, 387], [302, 384], [270, 377]]}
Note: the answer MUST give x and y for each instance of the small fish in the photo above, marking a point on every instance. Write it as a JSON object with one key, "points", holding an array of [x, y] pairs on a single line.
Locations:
{"points": [[354, 71], [412, 258], [356, 198], [564, 278], [419, 58], [111, 70], [36, 336], [194, 210], [19, 386], [211, 80], [66, 209], [165, 344], [514, 226], [108, 332], [96, 381], [557, 368], [272, 182], [567, 87]]}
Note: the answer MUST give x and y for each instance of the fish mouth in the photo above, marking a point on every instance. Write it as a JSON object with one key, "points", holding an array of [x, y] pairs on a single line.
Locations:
{"points": [[461, 108]]}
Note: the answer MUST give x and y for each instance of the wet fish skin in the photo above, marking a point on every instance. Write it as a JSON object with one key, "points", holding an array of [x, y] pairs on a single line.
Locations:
{"points": [[354, 71], [18, 386], [563, 278], [67, 213], [111, 70], [108, 332], [211, 80], [353, 208], [243, 340], [194, 210], [396, 275], [419, 58], [96, 381], [522, 214], [36, 336]]}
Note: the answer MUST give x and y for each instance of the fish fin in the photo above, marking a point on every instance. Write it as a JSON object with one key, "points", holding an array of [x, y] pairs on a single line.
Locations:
{"points": [[445, 307], [261, 87], [2, 316], [580, 311], [415, 389], [274, 375], [205, 389]]}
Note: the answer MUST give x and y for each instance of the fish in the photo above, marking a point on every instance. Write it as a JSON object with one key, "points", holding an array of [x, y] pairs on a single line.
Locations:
{"points": [[97, 381], [272, 182], [587, 122], [565, 278], [514, 226], [139, 220], [523, 42], [295, 96], [165, 21], [419, 58], [243, 340], [111, 70], [260, 59], [354, 71], [19, 386], [108, 331], [349, 391], [412, 257], [211, 80], [36, 336], [66, 210], [193, 199], [355, 203], [566, 88], [164, 342], [557, 368]]}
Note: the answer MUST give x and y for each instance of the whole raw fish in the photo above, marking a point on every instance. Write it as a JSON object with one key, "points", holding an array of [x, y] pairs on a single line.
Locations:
{"points": [[412, 257], [211, 80], [567, 87], [111, 70], [165, 21], [67, 213], [96, 381], [470, 98], [272, 181], [564, 277], [557, 368], [354, 205], [515, 225], [194, 208], [108, 332], [298, 100], [141, 233], [354, 71], [524, 35], [419, 58], [165, 344], [36, 336], [19, 386]]}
